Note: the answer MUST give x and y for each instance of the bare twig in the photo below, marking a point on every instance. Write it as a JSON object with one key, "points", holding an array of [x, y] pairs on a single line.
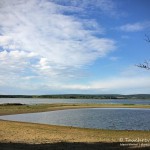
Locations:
{"points": [[145, 65]]}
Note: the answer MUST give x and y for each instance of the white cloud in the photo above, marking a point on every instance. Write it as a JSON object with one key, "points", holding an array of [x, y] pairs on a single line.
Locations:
{"points": [[139, 26], [36, 37], [105, 6], [14, 64], [131, 80], [41, 46], [115, 84], [4, 40]]}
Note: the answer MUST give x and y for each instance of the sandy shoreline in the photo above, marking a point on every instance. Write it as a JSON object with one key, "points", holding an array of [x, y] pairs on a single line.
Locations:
{"points": [[35, 134], [21, 135]]}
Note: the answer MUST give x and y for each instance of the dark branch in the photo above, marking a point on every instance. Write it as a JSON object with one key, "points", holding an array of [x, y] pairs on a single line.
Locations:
{"points": [[145, 65]]}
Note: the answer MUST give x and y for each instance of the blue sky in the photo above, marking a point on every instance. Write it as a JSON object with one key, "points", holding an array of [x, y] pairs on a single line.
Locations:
{"points": [[74, 46]]}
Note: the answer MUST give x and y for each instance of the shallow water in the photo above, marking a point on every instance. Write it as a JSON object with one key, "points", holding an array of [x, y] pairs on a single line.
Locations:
{"points": [[91, 101], [100, 118]]}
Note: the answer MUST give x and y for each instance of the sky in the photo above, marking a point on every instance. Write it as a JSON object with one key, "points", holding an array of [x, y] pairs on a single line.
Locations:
{"points": [[74, 46]]}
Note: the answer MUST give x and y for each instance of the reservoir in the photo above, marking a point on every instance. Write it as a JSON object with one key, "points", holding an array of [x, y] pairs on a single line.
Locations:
{"points": [[99, 118], [90, 101]]}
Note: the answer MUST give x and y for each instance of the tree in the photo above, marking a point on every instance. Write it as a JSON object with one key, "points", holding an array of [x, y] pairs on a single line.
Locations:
{"points": [[146, 64]]}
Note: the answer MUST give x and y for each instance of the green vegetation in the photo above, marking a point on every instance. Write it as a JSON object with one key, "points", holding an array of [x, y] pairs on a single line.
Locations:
{"points": [[82, 96]]}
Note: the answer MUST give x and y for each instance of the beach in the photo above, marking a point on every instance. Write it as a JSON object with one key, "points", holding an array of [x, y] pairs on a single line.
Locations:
{"points": [[21, 135]]}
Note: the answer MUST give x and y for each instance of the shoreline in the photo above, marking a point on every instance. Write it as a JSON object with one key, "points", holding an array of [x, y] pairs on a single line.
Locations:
{"points": [[44, 136], [10, 109], [31, 136]]}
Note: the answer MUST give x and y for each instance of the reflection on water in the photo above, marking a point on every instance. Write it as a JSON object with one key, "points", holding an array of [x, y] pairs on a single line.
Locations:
{"points": [[101, 118]]}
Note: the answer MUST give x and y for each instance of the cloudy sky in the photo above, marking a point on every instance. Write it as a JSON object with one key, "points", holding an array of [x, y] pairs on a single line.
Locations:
{"points": [[74, 46]]}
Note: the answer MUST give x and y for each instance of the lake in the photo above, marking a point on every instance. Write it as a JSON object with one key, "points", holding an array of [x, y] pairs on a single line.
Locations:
{"points": [[91, 101], [100, 118]]}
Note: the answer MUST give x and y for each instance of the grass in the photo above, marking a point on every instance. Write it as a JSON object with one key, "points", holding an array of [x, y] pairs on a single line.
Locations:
{"points": [[31, 136]]}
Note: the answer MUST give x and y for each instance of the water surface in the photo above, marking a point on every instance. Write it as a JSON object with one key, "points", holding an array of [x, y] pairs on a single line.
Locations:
{"points": [[100, 118], [91, 101]]}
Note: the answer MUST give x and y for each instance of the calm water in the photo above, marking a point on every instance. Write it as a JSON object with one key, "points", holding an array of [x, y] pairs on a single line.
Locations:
{"points": [[96, 101], [101, 118]]}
